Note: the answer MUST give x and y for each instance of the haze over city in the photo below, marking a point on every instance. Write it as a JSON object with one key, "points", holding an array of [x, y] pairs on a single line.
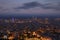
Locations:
{"points": [[29, 19]]}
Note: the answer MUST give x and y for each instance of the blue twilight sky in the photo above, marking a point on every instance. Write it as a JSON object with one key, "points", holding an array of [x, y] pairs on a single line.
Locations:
{"points": [[30, 6]]}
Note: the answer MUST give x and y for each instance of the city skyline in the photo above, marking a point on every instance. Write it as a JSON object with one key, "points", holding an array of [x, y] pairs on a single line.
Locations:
{"points": [[30, 19]]}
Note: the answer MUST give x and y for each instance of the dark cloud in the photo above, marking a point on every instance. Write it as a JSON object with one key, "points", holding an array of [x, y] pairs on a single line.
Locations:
{"points": [[55, 6], [29, 5], [36, 4]]}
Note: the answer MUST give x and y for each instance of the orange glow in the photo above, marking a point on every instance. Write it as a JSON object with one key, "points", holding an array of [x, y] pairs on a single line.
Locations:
{"points": [[11, 38]]}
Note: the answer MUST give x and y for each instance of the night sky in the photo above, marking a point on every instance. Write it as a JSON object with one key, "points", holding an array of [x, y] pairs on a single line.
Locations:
{"points": [[30, 7]]}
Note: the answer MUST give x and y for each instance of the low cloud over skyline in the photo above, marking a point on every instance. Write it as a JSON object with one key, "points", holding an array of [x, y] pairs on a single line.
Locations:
{"points": [[36, 4], [30, 6]]}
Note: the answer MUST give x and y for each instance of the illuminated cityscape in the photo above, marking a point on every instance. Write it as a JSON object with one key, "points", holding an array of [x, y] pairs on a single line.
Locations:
{"points": [[29, 19], [30, 29]]}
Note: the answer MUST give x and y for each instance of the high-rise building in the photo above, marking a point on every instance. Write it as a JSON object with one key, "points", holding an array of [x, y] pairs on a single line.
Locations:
{"points": [[46, 21]]}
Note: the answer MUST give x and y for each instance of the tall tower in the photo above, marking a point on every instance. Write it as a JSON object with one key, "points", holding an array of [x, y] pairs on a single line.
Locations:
{"points": [[12, 20], [46, 20]]}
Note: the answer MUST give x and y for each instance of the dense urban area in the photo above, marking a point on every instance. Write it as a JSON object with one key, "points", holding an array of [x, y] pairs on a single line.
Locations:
{"points": [[30, 29]]}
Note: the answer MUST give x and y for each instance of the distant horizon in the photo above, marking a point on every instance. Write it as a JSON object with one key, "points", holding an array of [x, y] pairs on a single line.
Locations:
{"points": [[29, 15]]}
